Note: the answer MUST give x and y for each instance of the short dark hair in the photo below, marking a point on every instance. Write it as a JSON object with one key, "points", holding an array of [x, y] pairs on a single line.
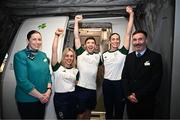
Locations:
{"points": [[90, 38], [140, 31], [32, 32]]}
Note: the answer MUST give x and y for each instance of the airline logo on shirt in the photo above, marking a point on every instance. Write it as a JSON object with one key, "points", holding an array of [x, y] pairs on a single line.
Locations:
{"points": [[45, 60]]}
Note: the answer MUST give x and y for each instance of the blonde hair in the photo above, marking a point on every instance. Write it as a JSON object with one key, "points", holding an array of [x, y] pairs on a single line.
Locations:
{"points": [[66, 50]]}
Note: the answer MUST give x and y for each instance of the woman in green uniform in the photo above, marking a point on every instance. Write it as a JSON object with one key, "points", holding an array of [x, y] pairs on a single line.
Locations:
{"points": [[33, 78]]}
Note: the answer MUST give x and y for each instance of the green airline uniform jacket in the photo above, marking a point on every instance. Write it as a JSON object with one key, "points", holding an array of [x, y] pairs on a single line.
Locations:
{"points": [[30, 74]]}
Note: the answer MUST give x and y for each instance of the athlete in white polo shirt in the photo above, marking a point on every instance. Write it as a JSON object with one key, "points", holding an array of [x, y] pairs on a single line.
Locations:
{"points": [[113, 61], [65, 73], [87, 63]]}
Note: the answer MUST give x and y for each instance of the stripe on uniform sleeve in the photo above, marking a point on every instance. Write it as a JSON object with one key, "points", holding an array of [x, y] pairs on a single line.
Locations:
{"points": [[80, 50], [124, 51], [56, 66]]}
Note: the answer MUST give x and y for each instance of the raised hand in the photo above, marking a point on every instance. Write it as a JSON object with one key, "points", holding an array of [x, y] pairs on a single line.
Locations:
{"points": [[59, 31], [78, 18], [129, 9]]}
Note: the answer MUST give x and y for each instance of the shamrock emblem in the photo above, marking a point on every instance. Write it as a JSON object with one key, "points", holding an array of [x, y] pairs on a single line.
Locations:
{"points": [[42, 26]]}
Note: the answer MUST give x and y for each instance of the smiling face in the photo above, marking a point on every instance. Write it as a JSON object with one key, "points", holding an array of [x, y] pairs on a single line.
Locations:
{"points": [[69, 58], [35, 41], [139, 42], [114, 42], [90, 45]]}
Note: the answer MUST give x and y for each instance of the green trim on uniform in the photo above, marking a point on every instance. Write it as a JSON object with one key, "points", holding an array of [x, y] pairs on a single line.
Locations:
{"points": [[77, 76], [112, 51], [124, 51], [80, 50], [56, 66]]}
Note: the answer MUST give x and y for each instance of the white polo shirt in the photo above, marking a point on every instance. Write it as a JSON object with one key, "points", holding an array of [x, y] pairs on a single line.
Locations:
{"points": [[88, 65], [64, 78], [114, 63]]}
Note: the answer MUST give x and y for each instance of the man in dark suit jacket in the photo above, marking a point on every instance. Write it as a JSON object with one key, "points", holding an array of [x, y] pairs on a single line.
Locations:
{"points": [[141, 77]]}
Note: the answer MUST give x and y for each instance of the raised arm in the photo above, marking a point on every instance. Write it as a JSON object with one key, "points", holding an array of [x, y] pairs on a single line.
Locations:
{"points": [[78, 18], [54, 57], [127, 38]]}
